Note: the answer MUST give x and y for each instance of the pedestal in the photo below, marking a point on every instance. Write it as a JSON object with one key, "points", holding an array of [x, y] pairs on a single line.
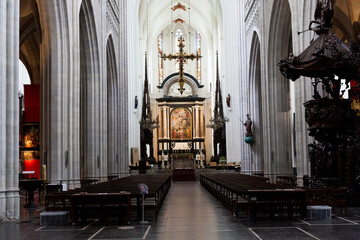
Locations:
{"points": [[30, 185]]}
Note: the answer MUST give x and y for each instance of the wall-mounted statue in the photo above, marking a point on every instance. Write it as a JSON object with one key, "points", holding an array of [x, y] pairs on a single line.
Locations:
{"points": [[228, 99], [247, 125], [248, 134], [136, 102]]}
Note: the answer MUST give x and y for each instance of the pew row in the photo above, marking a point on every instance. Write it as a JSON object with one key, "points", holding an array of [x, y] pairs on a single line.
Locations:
{"points": [[72, 200], [333, 197], [251, 194], [100, 205]]}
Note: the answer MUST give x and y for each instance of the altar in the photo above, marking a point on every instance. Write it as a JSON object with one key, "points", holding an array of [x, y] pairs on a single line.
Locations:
{"points": [[183, 165], [180, 112], [183, 161]]}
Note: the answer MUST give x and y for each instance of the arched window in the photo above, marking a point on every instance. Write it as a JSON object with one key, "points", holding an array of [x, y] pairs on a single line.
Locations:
{"points": [[24, 77], [178, 34], [160, 60], [198, 51]]}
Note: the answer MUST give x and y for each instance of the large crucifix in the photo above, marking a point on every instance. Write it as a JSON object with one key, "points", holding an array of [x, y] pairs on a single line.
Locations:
{"points": [[181, 57]]}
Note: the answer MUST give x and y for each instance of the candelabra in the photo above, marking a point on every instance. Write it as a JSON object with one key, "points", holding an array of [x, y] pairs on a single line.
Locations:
{"points": [[217, 122], [149, 124]]}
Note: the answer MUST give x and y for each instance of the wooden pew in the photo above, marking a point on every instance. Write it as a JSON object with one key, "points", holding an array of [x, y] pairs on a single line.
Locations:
{"points": [[158, 189], [286, 181], [112, 177], [87, 181], [274, 198], [237, 191], [334, 197], [58, 201], [84, 204]]}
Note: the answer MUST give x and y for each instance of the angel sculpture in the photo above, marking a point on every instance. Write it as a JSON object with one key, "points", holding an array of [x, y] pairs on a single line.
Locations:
{"points": [[323, 15]]}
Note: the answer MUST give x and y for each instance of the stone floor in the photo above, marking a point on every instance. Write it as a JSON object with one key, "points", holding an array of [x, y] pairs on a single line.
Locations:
{"points": [[189, 212]]}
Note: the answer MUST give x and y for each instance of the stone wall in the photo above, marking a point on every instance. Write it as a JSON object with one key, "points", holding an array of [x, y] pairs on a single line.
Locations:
{"points": [[61, 86]]}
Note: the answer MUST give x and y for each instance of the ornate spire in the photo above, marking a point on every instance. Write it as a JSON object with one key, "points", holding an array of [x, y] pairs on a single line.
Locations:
{"points": [[218, 121], [146, 99], [218, 111], [146, 122], [147, 125]]}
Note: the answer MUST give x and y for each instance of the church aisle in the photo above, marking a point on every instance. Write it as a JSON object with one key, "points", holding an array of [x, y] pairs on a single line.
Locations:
{"points": [[190, 212]]}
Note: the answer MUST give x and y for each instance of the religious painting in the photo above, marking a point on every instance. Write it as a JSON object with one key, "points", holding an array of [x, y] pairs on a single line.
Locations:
{"points": [[181, 124], [31, 136], [29, 155]]}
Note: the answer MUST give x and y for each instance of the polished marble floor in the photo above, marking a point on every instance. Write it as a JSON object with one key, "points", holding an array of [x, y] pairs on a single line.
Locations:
{"points": [[189, 212]]}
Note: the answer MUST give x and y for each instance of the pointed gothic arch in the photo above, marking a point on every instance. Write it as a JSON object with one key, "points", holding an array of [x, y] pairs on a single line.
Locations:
{"points": [[59, 121], [112, 108], [30, 39], [256, 162], [278, 96], [89, 93]]}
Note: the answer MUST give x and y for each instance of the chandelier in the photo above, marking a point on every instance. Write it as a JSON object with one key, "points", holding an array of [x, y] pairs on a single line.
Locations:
{"points": [[217, 122], [147, 123]]}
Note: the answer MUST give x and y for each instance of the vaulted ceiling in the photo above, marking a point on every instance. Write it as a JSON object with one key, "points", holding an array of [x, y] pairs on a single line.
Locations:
{"points": [[346, 21], [155, 15], [30, 38]]}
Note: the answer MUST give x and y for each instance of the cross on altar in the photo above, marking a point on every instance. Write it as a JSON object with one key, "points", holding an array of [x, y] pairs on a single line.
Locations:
{"points": [[181, 57]]}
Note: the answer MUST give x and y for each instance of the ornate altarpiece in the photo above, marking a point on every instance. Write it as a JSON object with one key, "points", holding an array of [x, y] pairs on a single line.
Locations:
{"points": [[181, 135]]}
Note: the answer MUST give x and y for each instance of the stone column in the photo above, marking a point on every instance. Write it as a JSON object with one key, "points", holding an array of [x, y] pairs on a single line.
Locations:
{"points": [[9, 110], [166, 111], [231, 70], [302, 87], [161, 129], [193, 122], [59, 69], [3, 81], [13, 76], [123, 89], [201, 116], [197, 122]]}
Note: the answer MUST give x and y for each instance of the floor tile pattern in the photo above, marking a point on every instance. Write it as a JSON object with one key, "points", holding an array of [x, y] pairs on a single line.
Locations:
{"points": [[189, 212]]}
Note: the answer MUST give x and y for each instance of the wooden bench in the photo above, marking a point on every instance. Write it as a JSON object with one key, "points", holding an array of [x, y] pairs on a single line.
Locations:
{"points": [[286, 181], [58, 201], [334, 197], [159, 186], [87, 182], [277, 198], [250, 193], [99, 204], [112, 177]]}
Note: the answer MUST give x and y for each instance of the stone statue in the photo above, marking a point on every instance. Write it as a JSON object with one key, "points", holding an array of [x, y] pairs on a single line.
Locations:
{"points": [[228, 98], [136, 102], [247, 125]]}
